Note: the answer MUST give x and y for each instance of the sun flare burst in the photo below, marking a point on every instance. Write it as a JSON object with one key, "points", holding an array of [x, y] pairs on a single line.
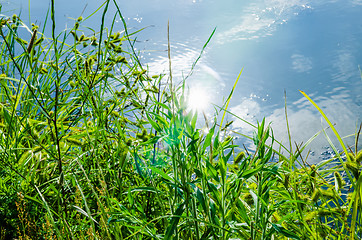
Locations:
{"points": [[198, 99]]}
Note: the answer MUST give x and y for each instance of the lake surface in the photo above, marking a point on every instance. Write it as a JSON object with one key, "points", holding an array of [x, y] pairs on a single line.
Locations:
{"points": [[291, 45]]}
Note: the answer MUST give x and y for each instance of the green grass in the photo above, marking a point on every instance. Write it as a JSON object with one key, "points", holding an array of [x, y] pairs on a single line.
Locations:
{"points": [[93, 147]]}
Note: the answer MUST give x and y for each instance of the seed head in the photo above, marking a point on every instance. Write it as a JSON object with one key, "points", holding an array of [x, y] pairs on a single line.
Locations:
{"points": [[327, 193], [228, 124], [315, 196], [323, 213], [248, 198], [339, 183], [121, 59], [129, 142], [118, 49], [81, 38], [74, 141], [21, 41], [353, 167], [359, 156], [34, 27], [313, 171], [37, 42], [239, 157], [43, 70], [115, 114], [116, 35], [351, 157], [75, 36], [310, 216], [90, 124], [14, 18]]}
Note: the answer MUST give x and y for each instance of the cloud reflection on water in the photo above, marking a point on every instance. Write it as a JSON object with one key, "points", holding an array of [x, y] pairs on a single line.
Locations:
{"points": [[357, 2], [301, 63], [304, 120], [261, 18], [344, 66]]}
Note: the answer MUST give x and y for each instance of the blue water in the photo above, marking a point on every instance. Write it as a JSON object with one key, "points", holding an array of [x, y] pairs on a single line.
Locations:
{"points": [[290, 45]]}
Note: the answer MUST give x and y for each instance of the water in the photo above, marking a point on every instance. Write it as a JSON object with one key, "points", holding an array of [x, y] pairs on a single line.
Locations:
{"points": [[281, 45]]}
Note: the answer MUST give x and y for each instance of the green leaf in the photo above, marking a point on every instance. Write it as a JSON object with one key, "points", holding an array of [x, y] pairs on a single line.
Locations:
{"points": [[130, 197], [174, 221], [84, 213], [249, 173], [145, 189], [208, 138], [212, 171], [153, 123], [201, 199], [285, 232], [193, 121], [161, 173]]}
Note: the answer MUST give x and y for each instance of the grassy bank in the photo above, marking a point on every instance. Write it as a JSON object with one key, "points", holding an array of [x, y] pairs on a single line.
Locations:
{"points": [[93, 147]]}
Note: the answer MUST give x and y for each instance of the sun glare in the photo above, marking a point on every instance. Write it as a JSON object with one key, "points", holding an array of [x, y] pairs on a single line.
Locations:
{"points": [[198, 99]]}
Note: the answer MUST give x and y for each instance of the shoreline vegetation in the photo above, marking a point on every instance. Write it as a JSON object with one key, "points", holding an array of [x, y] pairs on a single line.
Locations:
{"points": [[92, 147]]}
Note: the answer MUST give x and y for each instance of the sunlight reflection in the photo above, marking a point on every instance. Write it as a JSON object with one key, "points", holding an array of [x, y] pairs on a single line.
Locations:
{"points": [[198, 99]]}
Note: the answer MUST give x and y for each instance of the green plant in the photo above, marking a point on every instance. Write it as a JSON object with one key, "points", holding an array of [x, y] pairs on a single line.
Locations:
{"points": [[92, 147]]}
